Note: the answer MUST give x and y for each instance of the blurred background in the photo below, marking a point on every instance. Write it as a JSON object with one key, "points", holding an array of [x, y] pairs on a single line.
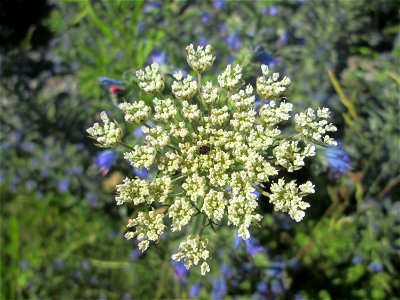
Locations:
{"points": [[61, 232]]}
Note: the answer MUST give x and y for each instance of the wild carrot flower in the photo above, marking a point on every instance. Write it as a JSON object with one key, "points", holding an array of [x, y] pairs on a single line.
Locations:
{"points": [[211, 148]]}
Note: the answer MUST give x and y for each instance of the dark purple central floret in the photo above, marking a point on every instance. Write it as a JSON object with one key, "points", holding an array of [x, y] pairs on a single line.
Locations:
{"points": [[204, 150]]}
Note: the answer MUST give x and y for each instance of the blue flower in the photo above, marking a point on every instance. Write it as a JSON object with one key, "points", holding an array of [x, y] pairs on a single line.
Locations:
{"points": [[237, 242], [226, 270], [24, 265], [298, 297], [63, 185], [338, 159], [253, 247], [277, 287], [219, 288], [376, 267], [135, 254], [143, 173], [195, 290], [158, 57], [275, 270], [203, 41], [266, 58], [205, 17], [357, 260], [294, 263], [233, 41], [219, 4], [58, 263], [180, 271], [104, 160], [262, 287], [92, 199], [283, 38], [139, 132], [271, 10]]}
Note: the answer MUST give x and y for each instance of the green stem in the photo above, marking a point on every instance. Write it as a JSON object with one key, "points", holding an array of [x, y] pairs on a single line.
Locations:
{"points": [[203, 225], [126, 145]]}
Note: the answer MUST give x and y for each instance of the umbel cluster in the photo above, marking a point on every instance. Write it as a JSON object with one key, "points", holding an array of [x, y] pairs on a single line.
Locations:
{"points": [[211, 147]]}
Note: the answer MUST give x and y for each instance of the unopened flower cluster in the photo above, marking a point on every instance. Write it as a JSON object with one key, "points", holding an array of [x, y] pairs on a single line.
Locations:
{"points": [[212, 146]]}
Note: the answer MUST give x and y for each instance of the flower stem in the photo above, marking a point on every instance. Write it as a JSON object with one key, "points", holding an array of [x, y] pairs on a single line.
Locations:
{"points": [[126, 146], [203, 225]]}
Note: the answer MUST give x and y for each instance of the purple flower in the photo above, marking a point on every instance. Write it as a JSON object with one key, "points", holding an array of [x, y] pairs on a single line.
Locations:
{"points": [[262, 287], [294, 263], [357, 260], [219, 288], [16, 136], [376, 267], [237, 242], [203, 41], [298, 297], [219, 4], [276, 269], [28, 147], [63, 185], [93, 199], [266, 58], [143, 173], [135, 254], [205, 17], [158, 57], [195, 290], [85, 265], [24, 265], [139, 132], [270, 10], [58, 263], [180, 271], [273, 10], [253, 247], [226, 270], [233, 41], [104, 160], [283, 38], [256, 193], [338, 159], [277, 287]]}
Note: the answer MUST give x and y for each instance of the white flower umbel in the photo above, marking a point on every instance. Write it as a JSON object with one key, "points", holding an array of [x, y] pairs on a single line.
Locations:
{"points": [[209, 149], [201, 59], [141, 156], [148, 227], [214, 205], [181, 212], [193, 251], [270, 86], [165, 110], [135, 113], [184, 88], [287, 197], [133, 190], [271, 115], [150, 79], [108, 135], [209, 93], [315, 126], [231, 77], [241, 214], [290, 156]]}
